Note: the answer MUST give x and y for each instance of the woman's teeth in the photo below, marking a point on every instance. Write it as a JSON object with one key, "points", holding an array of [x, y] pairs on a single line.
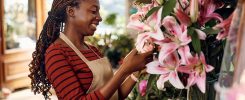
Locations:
{"points": [[94, 26]]}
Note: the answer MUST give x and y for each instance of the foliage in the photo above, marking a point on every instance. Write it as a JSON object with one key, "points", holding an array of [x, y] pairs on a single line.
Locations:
{"points": [[114, 49]]}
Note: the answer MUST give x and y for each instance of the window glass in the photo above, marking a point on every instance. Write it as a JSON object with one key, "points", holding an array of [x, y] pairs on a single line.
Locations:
{"points": [[19, 23]]}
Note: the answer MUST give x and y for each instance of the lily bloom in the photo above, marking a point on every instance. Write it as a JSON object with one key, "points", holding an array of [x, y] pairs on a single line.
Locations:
{"points": [[143, 87], [149, 31], [185, 21], [207, 8], [168, 71], [144, 43], [223, 27], [176, 34], [196, 67]]}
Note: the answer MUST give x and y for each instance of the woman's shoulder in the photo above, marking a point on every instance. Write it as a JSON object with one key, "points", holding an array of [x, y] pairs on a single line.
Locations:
{"points": [[55, 47]]}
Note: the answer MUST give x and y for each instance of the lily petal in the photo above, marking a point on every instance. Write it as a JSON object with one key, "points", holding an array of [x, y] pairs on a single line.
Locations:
{"points": [[185, 54], [170, 23], [140, 42], [183, 17], [155, 68], [208, 68], [167, 49], [184, 38], [191, 80], [172, 60], [201, 34], [185, 69], [201, 82], [175, 81], [162, 79]]}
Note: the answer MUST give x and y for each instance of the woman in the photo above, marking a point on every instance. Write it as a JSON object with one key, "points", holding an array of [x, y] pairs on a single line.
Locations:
{"points": [[74, 69]]}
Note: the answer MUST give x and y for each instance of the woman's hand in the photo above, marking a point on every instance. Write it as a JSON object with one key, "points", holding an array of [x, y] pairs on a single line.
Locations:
{"points": [[134, 61]]}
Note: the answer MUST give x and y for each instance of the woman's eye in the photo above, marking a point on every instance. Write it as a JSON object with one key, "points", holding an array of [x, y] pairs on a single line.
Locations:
{"points": [[94, 12]]}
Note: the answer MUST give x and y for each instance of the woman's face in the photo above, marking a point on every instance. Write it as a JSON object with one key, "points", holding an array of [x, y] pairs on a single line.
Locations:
{"points": [[87, 17]]}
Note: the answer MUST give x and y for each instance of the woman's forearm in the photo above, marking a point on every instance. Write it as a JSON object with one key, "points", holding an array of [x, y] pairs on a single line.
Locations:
{"points": [[126, 88], [110, 88]]}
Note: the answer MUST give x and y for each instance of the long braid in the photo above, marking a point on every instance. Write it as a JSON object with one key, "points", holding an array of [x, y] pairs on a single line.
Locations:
{"points": [[49, 33]]}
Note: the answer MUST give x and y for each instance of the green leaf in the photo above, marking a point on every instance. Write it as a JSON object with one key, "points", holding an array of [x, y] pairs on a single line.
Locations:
{"points": [[111, 19], [150, 12], [168, 7], [210, 31], [196, 43]]}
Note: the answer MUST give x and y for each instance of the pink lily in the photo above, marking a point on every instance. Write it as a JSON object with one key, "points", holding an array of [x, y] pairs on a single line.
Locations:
{"points": [[144, 43], [185, 20], [196, 67], [176, 34], [151, 25], [223, 27], [135, 19], [143, 87], [149, 31], [207, 8], [168, 71]]}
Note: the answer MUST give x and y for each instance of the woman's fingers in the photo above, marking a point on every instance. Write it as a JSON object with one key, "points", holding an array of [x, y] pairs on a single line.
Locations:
{"points": [[146, 54], [131, 53]]}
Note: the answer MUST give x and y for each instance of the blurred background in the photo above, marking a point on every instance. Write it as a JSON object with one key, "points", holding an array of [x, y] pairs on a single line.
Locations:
{"points": [[20, 24]]}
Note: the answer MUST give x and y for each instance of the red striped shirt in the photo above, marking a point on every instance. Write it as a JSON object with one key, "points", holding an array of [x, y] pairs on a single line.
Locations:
{"points": [[68, 74]]}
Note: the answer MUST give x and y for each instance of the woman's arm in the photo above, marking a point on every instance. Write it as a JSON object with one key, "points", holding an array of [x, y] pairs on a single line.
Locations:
{"points": [[127, 86], [132, 59]]}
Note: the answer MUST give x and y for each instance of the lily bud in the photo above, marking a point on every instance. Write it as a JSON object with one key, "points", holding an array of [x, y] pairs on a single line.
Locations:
{"points": [[160, 2], [194, 10]]}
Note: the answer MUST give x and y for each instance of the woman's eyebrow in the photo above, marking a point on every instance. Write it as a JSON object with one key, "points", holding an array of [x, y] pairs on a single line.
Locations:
{"points": [[96, 6]]}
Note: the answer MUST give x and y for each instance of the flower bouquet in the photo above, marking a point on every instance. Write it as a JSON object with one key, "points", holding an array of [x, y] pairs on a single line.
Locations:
{"points": [[188, 39]]}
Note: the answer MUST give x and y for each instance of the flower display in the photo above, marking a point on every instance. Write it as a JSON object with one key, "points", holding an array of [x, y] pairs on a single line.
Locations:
{"points": [[176, 30]]}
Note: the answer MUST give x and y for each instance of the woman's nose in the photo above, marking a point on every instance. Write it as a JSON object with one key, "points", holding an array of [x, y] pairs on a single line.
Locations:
{"points": [[98, 17]]}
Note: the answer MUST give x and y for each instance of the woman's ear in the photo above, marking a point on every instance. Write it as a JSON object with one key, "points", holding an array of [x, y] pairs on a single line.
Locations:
{"points": [[70, 11]]}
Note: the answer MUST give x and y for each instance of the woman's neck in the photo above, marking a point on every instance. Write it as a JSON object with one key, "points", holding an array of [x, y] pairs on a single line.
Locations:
{"points": [[76, 38]]}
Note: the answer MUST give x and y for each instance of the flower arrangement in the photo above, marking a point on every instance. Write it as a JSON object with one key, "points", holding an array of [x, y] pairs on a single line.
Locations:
{"points": [[181, 32]]}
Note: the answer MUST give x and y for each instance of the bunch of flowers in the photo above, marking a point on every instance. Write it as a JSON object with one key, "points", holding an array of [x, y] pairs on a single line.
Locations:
{"points": [[176, 29]]}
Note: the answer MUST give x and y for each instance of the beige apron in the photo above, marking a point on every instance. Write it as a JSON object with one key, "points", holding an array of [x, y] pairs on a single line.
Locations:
{"points": [[101, 69]]}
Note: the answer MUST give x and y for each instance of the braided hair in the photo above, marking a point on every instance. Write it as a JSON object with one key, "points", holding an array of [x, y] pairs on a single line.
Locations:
{"points": [[49, 33]]}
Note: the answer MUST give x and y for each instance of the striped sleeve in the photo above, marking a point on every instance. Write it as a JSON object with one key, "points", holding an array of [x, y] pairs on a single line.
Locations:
{"points": [[63, 78]]}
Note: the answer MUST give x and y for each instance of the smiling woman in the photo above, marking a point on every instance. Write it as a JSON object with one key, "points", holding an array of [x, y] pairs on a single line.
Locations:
{"points": [[74, 69]]}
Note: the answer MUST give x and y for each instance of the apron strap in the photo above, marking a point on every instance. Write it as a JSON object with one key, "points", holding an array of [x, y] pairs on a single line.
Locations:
{"points": [[67, 41]]}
